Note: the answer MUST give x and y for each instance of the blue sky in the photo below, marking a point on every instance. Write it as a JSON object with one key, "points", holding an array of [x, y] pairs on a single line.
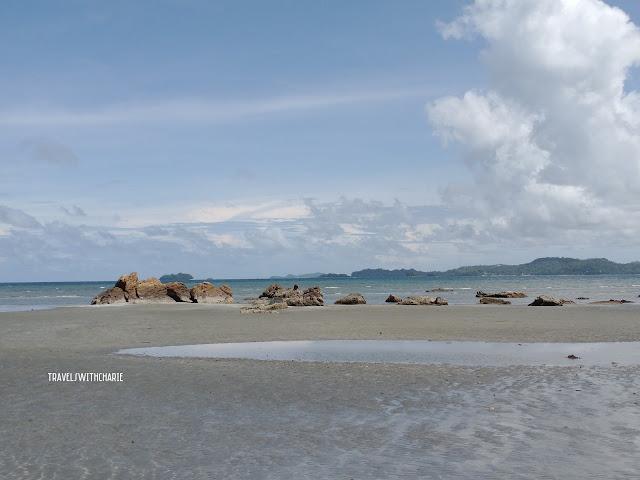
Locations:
{"points": [[241, 139]]}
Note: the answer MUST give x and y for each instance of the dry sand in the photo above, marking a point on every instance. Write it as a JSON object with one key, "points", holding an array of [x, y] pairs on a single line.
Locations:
{"points": [[208, 418]]}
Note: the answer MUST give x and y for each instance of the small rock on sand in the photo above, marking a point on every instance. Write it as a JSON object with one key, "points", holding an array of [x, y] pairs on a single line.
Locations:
{"points": [[494, 301], [351, 299]]}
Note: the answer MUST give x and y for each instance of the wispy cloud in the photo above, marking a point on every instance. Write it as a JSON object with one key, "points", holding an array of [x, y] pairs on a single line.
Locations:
{"points": [[44, 150], [260, 211], [17, 218], [74, 211], [201, 110]]}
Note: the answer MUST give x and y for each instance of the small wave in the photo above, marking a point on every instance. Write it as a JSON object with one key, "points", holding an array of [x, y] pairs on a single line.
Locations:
{"points": [[67, 296], [465, 288], [368, 286], [331, 287], [103, 287]]}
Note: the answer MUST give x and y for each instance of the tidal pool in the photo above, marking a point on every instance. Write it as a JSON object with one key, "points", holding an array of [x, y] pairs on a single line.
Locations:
{"points": [[421, 352]]}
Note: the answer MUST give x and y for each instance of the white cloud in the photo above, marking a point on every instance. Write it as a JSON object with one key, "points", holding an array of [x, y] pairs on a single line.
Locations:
{"points": [[554, 143], [281, 213]]}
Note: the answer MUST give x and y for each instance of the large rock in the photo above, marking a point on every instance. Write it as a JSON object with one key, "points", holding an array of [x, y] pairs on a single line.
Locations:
{"points": [[494, 301], [509, 294], [351, 299], [295, 297], [313, 297], [424, 300], [129, 289], [113, 295], [208, 293], [151, 290], [393, 299], [545, 301], [274, 290], [179, 292], [128, 284]]}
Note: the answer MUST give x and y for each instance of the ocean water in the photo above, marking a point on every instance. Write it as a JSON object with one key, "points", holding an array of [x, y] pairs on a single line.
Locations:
{"points": [[46, 295]]}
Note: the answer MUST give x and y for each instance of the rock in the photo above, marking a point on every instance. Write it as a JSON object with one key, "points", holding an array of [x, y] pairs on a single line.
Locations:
{"points": [[508, 294], [494, 301], [313, 297], [424, 300], [208, 293], [545, 301], [295, 297], [151, 290], [440, 290], [179, 292], [265, 306], [128, 284], [274, 290], [610, 302], [113, 295], [129, 289], [351, 299], [393, 298], [582, 298]]}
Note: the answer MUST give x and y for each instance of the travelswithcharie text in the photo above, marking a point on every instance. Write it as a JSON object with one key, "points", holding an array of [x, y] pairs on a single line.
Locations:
{"points": [[85, 377]]}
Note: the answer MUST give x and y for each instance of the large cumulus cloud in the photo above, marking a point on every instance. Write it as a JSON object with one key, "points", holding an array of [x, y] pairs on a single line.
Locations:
{"points": [[554, 142]]}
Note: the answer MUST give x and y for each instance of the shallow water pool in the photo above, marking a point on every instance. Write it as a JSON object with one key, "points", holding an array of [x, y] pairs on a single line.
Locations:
{"points": [[411, 352]]}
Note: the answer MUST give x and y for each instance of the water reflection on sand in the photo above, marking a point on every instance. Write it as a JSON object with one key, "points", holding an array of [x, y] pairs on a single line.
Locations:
{"points": [[412, 352]]}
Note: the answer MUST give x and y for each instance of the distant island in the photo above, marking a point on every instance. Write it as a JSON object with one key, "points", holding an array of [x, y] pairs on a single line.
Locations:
{"points": [[176, 277], [540, 266], [293, 277]]}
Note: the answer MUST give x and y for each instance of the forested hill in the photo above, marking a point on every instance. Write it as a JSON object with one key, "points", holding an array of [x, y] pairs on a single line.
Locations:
{"points": [[540, 266], [176, 277]]}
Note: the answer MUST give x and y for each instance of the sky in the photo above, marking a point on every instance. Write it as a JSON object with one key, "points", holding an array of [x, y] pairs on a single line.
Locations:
{"points": [[245, 139]]}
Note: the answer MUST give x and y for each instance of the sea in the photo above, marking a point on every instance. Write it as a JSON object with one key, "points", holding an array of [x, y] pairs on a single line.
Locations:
{"points": [[460, 290]]}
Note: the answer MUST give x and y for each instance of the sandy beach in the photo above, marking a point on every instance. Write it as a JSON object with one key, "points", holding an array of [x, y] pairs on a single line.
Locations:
{"points": [[211, 418]]}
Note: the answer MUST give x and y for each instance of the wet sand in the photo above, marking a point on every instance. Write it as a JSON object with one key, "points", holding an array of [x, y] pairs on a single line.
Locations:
{"points": [[210, 418]]}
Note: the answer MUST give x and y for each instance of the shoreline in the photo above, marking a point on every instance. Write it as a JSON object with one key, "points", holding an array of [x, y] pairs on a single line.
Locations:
{"points": [[193, 323]]}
